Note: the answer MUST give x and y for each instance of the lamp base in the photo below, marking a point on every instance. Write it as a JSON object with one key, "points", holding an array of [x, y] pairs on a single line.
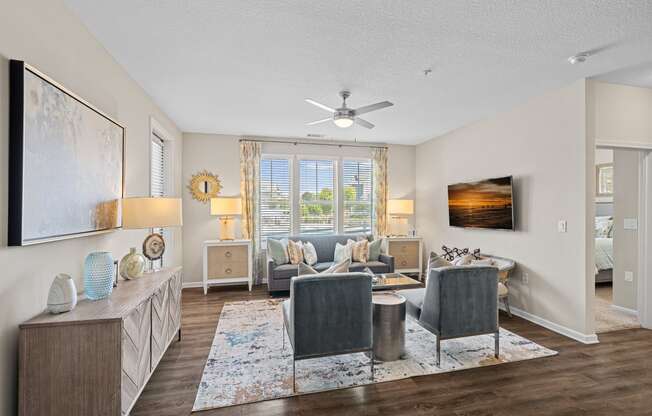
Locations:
{"points": [[226, 229], [398, 227]]}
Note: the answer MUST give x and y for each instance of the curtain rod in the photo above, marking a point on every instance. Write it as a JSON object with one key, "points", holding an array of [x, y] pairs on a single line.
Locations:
{"points": [[297, 142]]}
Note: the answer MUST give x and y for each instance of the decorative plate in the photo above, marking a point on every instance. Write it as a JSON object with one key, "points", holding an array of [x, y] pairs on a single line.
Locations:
{"points": [[154, 246]]}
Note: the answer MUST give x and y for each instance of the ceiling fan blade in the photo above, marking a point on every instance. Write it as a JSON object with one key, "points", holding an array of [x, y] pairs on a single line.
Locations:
{"points": [[312, 123], [372, 107], [320, 105], [363, 122]]}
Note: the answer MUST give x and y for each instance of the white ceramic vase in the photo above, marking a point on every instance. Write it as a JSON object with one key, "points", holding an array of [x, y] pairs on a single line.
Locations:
{"points": [[63, 294]]}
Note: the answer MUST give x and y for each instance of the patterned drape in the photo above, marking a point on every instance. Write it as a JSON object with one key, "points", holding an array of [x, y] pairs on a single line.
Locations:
{"points": [[249, 165], [381, 191]]}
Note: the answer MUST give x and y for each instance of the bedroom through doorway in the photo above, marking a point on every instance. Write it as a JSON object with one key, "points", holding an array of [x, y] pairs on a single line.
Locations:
{"points": [[617, 204]]}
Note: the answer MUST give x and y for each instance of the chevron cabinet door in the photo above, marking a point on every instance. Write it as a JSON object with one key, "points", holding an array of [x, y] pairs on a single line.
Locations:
{"points": [[136, 334], [174, 310], [160, 323]]}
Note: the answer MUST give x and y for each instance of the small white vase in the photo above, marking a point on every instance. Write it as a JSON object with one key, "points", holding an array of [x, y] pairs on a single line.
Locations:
{"points": [[63, 294]]}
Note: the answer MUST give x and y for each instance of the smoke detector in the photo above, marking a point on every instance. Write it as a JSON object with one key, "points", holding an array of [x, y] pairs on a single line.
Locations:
{"points": [[579, 58]]}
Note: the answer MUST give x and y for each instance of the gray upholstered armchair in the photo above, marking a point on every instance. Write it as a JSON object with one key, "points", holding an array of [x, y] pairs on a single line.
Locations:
{"points": [[329, 315], [457, 302]]}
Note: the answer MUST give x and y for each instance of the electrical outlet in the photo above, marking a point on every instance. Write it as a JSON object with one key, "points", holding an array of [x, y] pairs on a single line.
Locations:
{"points": [[525, 278], [629, 276]]}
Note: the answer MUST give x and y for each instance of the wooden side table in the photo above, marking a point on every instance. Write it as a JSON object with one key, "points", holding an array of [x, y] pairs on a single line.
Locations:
{"points": [[408, 254], [227, 262]]}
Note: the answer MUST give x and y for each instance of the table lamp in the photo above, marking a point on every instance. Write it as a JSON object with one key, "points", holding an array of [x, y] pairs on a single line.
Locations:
{"points": [[400, 209], [226, 207], [151, 212]]}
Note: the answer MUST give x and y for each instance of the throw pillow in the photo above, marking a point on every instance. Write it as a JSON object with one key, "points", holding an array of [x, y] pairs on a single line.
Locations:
{"points": [[278, 251], [483, 262], [375, 248], [309, 253], [342, 252], [295, 251], [303, 269], [464, 260], [434, 262], [342, 267], [359, 250]]}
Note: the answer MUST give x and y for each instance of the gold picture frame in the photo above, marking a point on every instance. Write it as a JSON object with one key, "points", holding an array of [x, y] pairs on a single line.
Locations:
{"points": [[204, 185]]}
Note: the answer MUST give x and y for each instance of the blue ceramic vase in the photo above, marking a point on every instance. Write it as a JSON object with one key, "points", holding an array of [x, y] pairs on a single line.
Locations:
{"points": [[98, 275]]}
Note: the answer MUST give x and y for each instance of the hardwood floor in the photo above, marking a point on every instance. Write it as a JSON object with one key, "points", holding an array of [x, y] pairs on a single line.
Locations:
{"points": [[610, 378]]}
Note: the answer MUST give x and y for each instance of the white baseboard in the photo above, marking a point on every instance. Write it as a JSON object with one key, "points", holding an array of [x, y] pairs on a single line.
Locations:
{"points": [[560, 329], [187, 285], [628, 311]]}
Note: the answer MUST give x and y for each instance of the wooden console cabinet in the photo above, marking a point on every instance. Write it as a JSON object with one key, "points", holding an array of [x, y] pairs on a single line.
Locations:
{"points": [[97, 358]]}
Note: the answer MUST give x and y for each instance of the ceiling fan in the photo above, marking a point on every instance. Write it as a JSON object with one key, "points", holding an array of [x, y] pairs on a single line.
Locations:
{"points": [[345, 117]]}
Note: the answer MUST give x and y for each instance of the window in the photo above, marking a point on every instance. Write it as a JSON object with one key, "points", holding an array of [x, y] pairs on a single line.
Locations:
{"points": [[358, 196], [317, 197], [158, 177], [275, 209], [314, 195]]}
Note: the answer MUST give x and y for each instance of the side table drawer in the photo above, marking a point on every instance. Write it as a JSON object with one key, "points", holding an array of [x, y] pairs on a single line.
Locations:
{"points": [[234, 254], [225, 269]]}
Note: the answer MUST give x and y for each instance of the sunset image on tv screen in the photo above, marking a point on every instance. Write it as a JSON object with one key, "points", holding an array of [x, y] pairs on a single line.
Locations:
{"points": [[483, 204]]}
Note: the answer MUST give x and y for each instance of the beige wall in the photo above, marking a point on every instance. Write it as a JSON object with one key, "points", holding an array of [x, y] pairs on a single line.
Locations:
{"points": [[220, 155], [626, 205], [620, 114], [47, 35], [543, 145]]}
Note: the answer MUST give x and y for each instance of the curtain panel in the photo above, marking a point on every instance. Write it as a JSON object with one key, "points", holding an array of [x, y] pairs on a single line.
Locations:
{"points": [[381, 191], [249, 169]]}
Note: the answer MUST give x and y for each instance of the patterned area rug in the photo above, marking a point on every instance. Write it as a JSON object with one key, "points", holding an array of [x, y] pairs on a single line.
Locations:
{"points": [[247, 362]]}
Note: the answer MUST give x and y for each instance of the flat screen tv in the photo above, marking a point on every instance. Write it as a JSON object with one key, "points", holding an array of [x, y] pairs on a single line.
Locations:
{"points": [[65, 162], [483, 204]]}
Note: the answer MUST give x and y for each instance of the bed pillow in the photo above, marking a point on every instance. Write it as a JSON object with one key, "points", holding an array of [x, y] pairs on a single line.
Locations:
{"points": [[278, 251], [309, 253], [604, 227]]}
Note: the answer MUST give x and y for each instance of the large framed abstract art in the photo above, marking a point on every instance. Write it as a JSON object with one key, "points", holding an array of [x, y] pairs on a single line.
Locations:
{"points": [[66, 162]]}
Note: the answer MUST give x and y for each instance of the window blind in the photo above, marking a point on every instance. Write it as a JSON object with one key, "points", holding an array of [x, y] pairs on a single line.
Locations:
{"points": [[358, 199], [316, 196], [158, 174], [275, 217]]}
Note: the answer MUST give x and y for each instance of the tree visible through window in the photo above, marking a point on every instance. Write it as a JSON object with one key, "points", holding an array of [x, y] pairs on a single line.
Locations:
{"points": [[316, 206], [358, 196]]}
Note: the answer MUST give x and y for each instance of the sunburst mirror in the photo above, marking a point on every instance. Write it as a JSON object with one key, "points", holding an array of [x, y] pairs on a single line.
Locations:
{"points": [[204, 185]]}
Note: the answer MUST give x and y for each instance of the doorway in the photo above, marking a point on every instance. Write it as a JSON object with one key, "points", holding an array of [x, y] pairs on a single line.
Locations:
{"points": [[617, 206]]}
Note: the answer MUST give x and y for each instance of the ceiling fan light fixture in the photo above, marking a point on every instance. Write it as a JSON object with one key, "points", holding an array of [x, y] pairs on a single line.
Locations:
{"points": [[343, 121]]}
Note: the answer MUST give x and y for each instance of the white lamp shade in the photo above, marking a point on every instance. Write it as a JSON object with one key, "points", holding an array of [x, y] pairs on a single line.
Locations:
{"points": [[151, 212], [400, 206], [226, 206]]}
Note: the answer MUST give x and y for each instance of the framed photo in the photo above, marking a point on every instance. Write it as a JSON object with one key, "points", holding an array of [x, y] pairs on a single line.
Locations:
{"points": [[66, 162], [604, 179]]}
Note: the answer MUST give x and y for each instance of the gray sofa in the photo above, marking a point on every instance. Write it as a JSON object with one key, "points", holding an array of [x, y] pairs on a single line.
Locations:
{"points": [[458, 301], [279, 276], [329, 315]]}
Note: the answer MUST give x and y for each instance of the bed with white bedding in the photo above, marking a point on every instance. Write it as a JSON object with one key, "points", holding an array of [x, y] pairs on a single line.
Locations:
{"points": [[604, 248]]}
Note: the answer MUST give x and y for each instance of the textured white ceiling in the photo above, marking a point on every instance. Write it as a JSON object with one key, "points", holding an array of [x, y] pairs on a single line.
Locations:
{"points": [[636, 76], [244, 67]]}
